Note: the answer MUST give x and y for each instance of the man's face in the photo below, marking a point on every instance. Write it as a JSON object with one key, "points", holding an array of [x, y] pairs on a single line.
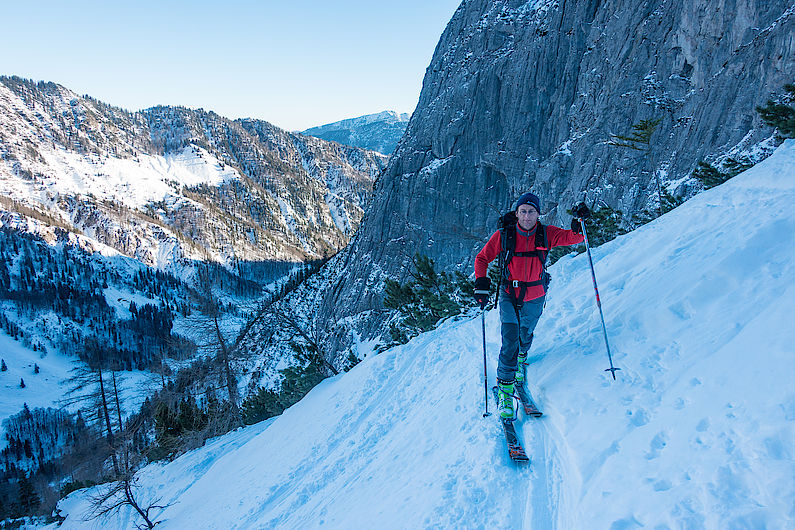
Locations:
{"points": [[527, 215]]}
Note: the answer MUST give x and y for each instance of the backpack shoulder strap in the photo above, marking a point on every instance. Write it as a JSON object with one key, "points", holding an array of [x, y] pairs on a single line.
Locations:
{"points": [[542, 243], [508, 239]]}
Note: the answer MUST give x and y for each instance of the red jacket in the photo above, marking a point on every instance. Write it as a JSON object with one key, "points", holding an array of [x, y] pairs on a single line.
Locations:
{"points": [[525, 269]]}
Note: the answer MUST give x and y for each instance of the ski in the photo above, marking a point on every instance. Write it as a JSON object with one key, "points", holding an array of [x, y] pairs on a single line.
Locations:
{"points": [[528, 404], [515, 449]]}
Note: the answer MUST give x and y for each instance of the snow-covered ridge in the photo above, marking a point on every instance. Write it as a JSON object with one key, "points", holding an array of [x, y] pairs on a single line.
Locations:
{"points": [[132, 182], [389, 116], [379, 132], [695, 433], [175, 183]]}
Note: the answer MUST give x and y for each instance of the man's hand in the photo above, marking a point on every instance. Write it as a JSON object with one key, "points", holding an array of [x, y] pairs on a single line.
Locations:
{"points": [[482, 287]]}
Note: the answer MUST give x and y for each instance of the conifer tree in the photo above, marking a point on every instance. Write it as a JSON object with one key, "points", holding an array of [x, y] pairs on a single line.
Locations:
{"points": [[29, 500], [735, 166], [709, 175], [639, 139], [780, 114], [426, 299], [88, 388]]}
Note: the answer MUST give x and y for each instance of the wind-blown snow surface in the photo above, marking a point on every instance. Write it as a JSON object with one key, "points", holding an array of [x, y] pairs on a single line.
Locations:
{"points": [[696, 432]]}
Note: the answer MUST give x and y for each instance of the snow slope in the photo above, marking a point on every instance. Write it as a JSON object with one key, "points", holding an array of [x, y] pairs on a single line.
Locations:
{"points": [[47, 388], [41, 390], [696, 432]]}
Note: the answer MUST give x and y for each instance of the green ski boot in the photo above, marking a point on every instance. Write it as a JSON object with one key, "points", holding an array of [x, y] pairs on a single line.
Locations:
{"points": [[505, 400]]}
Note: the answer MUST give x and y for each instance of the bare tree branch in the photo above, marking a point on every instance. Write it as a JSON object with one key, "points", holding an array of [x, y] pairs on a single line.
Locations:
{"points": [[311, 336]]}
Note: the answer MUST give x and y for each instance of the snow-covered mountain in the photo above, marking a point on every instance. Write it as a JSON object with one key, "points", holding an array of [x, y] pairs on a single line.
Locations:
{"points": [[169, 183], [696, 432], [101, 208], [377, 132]]}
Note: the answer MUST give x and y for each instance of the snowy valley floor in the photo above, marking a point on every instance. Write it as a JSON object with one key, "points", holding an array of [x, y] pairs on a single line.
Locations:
{"points": [[697, 432]]}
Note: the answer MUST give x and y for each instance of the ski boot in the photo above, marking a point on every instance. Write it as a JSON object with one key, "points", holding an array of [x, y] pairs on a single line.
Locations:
{"points": [[505, 399], [530, 408]]}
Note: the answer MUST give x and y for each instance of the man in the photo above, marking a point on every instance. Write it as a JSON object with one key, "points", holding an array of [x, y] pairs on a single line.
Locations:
{"points": [[522, 286]]}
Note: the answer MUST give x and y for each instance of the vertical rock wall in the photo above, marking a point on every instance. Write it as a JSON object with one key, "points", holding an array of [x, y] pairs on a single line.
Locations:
{"points": [[523, 96]]}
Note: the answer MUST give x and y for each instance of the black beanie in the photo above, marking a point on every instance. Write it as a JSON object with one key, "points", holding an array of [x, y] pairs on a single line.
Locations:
{"points": [[531, 199]]}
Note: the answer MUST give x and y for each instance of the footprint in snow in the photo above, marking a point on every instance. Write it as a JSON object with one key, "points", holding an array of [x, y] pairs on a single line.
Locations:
{"points": [[657, 444], [638, 418]]}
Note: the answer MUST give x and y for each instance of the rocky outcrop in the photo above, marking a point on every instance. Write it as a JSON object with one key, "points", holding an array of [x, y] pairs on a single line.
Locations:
{"points": [[523, 95]]}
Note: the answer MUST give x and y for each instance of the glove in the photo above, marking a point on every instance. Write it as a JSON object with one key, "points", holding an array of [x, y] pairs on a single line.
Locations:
{"points": [[482, 287], [582, 211], [576, 227]]}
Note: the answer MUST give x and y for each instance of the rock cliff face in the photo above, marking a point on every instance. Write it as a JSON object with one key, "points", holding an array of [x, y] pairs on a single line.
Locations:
{"points": [[523, 95]]}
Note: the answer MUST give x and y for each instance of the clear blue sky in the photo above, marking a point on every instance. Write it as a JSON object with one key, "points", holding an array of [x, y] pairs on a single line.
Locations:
{"points": [[293, 63]]}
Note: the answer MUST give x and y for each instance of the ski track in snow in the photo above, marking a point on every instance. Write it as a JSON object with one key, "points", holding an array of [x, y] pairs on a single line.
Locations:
{"points": [[538, 513], [546, 504], [696, 432]]}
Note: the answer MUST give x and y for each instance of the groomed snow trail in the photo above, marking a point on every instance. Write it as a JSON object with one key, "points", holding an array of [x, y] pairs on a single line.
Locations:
{"points": [[696, 432]]}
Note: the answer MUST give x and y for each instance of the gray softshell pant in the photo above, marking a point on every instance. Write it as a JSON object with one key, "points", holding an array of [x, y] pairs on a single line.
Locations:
{"points": [[516, 333]]}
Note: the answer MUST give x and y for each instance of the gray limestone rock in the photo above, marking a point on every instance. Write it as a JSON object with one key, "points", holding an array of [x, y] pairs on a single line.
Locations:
{"points": [[523, 95]]}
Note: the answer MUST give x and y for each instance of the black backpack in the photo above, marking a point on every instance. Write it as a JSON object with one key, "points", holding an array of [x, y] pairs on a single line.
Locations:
{"points": [[507, 224]]}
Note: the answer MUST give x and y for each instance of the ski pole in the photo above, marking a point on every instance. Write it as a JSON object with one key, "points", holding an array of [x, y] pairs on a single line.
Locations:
{"points": [[485, 369], [612, 370]]}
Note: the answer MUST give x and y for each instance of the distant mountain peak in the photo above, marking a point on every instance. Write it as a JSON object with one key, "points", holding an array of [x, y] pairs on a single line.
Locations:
{"points": [[379, 132]]}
